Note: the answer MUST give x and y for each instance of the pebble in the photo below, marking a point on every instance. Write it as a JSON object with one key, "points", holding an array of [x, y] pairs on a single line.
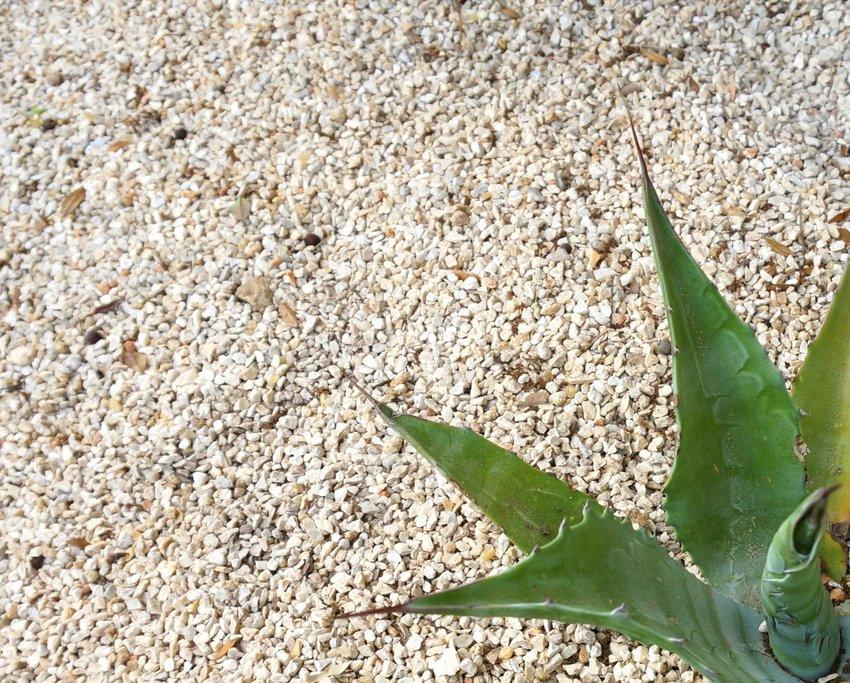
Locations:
{"points": [[217, 557], [536, 398], [256, 291], [230, 481], [21, 355], [448, 664]]}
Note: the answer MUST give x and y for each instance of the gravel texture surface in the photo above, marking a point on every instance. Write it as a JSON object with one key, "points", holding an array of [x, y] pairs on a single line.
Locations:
{"points": [[210, 208]]}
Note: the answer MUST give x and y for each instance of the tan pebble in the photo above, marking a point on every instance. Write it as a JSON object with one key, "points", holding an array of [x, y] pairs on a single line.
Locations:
{"points": [[459, 218], [256, 291], [401, 378], [536, 398], [21, 355]]}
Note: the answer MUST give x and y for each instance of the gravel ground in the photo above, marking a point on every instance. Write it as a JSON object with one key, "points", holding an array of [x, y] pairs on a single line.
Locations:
{"points": [[210, 209]]}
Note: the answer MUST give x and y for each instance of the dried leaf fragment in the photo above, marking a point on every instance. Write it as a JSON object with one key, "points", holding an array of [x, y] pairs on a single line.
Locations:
{"points": [[778, 247], [680, 197], [840, 217], [655, 57], [844, 235], [79, 543], [509, 12], [108, 307], [118, 145], [329, 674], [225, 648], [287, 314], [71, 203], [463, 275]]}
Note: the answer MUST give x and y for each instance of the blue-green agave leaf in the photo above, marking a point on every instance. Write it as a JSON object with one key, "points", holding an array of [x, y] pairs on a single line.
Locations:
{"points": [[822, 390], [801, 622], [604, 573], [527, 503], [736, 477]]}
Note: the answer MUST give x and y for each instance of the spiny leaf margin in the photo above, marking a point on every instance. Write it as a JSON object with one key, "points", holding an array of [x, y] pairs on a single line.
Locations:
{"points": [[735, 477], [604, 573], [822, 390], [527, 503]]}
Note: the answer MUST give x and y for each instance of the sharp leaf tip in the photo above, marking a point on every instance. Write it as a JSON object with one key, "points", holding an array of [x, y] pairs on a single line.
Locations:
{"points": [[371, 612]]}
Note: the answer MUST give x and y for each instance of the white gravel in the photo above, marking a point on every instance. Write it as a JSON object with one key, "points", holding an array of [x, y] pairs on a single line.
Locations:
{"points": [[208, 207]]}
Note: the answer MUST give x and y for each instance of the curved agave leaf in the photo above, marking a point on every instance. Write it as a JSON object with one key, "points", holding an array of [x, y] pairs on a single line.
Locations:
{"points": [[822, 390], [604, 573], [801, 622], [527, 503], [735, 478]]}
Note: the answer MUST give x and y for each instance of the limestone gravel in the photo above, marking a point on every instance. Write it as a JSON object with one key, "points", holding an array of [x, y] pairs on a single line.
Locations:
{"points": [[441, 200]]}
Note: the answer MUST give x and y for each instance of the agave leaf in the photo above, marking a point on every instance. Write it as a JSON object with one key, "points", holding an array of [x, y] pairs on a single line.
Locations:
{"points": [[735, 478], [801, 622], [527, 503], [822, 390], [604, 573], [834, 558]]}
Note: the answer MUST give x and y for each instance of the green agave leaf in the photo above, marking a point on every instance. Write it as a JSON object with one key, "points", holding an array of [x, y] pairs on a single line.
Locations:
{"points": [[801, 622], [735, 478], [527, 503], [604, 573], [822, 390], [834, 558]]}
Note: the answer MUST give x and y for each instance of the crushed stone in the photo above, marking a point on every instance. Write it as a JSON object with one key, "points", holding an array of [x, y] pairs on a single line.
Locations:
{"points": [[439, 198]]}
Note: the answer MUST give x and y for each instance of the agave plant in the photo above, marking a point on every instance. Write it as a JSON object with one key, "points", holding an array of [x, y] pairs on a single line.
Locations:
{"points": [[737, 499]]}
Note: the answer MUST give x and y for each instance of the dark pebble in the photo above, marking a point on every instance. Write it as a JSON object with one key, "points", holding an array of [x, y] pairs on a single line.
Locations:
{"points": [[93, 336], [37, 562], [312, 240], [180, 134], [48, 124], [665, 348]]}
